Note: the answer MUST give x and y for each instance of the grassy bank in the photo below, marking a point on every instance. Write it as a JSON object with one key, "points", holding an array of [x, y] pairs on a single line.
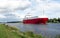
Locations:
{"points": [[12, 32]]}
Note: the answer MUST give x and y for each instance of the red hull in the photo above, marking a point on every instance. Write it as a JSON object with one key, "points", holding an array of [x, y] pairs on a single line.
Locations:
{"points": [[36, 21]]}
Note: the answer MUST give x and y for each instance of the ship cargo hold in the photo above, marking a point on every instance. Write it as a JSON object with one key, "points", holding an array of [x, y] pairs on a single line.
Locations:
{"points": [[35, 20]]}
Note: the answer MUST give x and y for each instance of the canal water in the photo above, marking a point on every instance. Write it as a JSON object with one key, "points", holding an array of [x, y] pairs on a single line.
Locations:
{"points": [[50, 30]]}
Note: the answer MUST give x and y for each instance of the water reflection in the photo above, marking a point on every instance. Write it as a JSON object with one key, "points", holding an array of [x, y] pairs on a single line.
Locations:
{"points": [[48, 29]]}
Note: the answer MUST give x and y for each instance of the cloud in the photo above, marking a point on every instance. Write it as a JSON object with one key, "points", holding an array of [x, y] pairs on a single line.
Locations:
{"points": [[20, 5], [11, 5], [17, 9], [2, 16], [49, 7]]}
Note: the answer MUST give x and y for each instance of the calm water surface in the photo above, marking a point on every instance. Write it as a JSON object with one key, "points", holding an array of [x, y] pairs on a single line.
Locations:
{"points": [[50, 29]]}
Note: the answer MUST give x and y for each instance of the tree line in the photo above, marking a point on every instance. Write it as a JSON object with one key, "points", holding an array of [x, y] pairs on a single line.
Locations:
{"points": [[54, 20]]}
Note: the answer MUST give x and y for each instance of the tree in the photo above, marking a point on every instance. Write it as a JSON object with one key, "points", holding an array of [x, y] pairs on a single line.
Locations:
{"points": [[59, 19]]}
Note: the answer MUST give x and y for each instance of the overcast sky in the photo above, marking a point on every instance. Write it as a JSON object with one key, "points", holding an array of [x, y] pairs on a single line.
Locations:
{"points": [[14, 10]]}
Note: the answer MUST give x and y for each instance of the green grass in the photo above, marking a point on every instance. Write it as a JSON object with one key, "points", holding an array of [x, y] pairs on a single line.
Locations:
{"points": [[8, 32], [57, 36], [12, 32]]}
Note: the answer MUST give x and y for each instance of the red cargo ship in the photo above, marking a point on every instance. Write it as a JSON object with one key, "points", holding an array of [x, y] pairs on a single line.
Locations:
{"points": [[35, 20]]}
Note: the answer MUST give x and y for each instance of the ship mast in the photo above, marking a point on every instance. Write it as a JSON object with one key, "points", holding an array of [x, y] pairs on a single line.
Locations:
{"points": [[43, 10]]}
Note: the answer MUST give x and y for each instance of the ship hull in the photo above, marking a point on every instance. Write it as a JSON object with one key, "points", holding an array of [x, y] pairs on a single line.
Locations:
{"points": [[36, 21]]}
